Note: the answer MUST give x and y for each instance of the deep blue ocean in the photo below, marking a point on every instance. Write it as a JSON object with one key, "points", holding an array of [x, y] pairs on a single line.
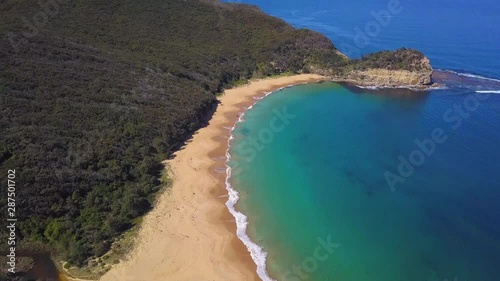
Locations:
{"points": [[349, 184], [459, 35]]}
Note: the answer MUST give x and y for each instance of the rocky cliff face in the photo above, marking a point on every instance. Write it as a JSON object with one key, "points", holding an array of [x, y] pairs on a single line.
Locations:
{"points": [[400, 68], [391, 78]]}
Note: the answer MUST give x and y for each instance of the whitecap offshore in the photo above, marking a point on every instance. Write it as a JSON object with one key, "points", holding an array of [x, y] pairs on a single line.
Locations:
{"points": [[470, 75], [489, 92]]}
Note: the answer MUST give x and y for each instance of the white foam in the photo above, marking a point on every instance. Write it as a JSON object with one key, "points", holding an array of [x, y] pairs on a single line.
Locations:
{"points": [[406, 87], [369, 87], [259, 256], [489, 92], [440, 87], [470, 75]]}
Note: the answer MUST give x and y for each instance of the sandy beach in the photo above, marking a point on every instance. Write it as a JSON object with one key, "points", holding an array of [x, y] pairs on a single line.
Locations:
{"points": [[190, 234]]}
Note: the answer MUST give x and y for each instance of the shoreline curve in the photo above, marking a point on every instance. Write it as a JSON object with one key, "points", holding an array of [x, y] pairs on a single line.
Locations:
{"points": [[191, 233]]}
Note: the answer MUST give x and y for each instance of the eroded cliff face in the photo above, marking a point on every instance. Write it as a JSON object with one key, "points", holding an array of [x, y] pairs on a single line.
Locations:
{"points": [[419, 77], [400, 68], [390, 78]]}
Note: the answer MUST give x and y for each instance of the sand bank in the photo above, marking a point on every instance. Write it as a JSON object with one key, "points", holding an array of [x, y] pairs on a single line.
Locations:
{"points": [[190, 234]]}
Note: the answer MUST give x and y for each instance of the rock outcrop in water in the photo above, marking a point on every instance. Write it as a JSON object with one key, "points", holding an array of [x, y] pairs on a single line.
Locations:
{"points": [[400, 68]]}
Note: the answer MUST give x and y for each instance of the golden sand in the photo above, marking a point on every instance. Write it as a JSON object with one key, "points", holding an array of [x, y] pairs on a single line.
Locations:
{"points": [[190, 234]]}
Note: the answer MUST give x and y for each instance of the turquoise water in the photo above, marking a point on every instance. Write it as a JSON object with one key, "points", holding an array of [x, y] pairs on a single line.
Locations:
{"points": [[310, 164], [323, 176]]}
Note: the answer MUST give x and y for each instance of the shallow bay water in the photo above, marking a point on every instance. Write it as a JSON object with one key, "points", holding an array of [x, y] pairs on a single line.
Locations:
{"points": [[321, 178]]}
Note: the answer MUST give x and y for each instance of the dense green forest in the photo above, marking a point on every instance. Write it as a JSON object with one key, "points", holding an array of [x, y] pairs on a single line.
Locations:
{"points": [[95, 94]]}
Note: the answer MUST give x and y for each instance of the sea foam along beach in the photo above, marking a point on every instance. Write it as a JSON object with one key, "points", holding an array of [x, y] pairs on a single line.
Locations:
{"points": [[256, 252], [190, 234]]}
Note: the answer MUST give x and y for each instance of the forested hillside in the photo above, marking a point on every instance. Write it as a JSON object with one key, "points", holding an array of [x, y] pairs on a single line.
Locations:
{"points": [[95, 94]]}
